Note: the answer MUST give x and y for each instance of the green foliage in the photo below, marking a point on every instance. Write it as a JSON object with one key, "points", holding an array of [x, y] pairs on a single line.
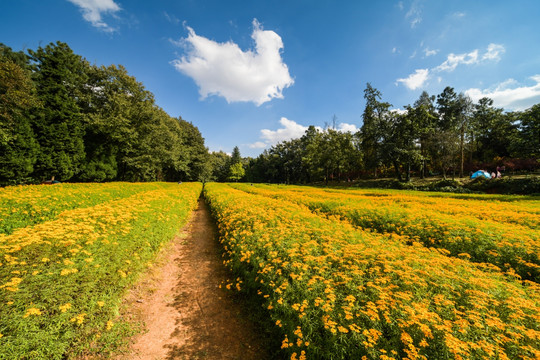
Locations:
{"points": [[59, 75], [18, 147], [236, 172], [522, 186], [87, 123]]}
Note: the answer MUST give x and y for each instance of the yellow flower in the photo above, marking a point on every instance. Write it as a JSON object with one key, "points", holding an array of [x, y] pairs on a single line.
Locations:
{"points": [[79, 319], [101, 303], [110, 324], [65, 307], [32, 311], [65, 272]]}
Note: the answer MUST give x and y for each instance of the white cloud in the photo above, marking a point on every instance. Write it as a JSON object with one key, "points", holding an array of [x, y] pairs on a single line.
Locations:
{"points": [[429, 52], [516, 98], [494, 52], [258, 145], [414, 14], [94, 9], [224, 69], [399, 111], [416, 80], [344, 127], [289, 130], [453, 60]]}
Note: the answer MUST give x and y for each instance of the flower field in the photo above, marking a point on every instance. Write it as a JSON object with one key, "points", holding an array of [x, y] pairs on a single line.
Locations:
{"points": [[337, 286], [499, 230], [67, 254]]}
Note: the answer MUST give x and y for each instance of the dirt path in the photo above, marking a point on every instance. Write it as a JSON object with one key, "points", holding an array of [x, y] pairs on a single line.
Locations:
{"points": [[186, 313]]}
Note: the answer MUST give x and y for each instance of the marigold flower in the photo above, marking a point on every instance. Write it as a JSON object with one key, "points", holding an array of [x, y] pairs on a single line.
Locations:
{"points": [[32, 312]]}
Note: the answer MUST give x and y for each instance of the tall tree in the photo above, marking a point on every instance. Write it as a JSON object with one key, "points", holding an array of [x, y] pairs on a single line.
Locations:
{"points": [[446, 147], [374, 113], [464, 115], [59, 75], [425, 116], [18, 147], [528, 145]]}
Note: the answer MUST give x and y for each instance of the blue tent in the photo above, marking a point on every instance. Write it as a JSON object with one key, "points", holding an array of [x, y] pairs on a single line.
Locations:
{"points": [[481, 173]]}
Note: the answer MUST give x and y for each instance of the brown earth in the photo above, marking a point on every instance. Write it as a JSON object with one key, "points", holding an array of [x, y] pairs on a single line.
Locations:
{"points": [[185, 312]]}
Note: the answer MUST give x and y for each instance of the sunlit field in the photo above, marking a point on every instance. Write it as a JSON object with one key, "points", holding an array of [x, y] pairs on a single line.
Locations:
{"points": [[67, 254], [351, 274], [336, 273]]}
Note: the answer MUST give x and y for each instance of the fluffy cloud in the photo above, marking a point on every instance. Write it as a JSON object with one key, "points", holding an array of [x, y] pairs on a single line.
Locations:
{"points": [[257, 75], [452, 61], [494, 52], [258, 145], [508, 97], [416, 80], [93, 9], [344, 127], [291, 130]]}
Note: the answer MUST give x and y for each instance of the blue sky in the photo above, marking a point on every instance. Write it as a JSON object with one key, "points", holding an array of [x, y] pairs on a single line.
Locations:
{"points": [[252, 73]]}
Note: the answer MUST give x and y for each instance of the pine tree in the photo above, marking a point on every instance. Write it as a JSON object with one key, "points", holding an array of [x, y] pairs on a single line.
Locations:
{"points": [[60, 76]]}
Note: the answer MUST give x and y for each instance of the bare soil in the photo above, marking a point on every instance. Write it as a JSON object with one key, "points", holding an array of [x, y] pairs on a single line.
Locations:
{"points": [[185, 312]]}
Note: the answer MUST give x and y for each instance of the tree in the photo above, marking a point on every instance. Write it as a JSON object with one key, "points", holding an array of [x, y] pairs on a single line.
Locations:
{"points": [[425, 116], [59, 75], [220, 165], [236, 172], [528, 145], [374, 113], [18, 147], [235, 156], [445, 147]]}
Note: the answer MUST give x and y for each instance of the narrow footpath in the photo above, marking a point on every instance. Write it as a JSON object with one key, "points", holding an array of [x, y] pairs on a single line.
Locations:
{"points": [[185, 312]]}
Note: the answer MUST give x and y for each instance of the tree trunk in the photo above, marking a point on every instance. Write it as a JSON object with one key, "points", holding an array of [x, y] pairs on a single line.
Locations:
{"points": [[398, 172], [462, 150], [422, 153], [326, 178]]}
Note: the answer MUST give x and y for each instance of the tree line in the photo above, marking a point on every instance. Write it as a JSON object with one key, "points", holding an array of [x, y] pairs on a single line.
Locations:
{"points": [[62, 117], [446, 134]]}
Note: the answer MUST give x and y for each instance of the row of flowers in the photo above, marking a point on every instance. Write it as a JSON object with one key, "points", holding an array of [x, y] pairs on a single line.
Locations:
{"points": [[61, 281], [452, 225], [21, 206], [338, 292]]}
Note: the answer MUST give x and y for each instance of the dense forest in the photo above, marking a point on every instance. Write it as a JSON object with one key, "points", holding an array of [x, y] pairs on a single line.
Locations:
{"points": [[62, 117], [445, 135]]}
